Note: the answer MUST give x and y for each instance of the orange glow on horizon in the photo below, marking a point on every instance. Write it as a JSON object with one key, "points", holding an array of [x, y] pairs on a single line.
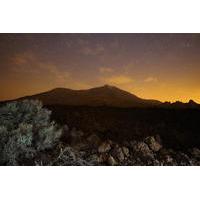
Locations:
{"points": [[163, 67]]}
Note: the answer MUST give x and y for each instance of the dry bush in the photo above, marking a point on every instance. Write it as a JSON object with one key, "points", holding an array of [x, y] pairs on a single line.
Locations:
{"points": [[25, 130]]}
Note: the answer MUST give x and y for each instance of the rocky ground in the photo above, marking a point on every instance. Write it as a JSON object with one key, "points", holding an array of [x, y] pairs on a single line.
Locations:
{"points": [[29, 137], [92, 150]]}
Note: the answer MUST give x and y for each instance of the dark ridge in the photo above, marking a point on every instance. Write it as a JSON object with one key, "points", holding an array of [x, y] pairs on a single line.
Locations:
{"points": [[106, 95]]}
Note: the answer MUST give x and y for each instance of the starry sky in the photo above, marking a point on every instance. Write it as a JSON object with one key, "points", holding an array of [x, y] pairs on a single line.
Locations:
{"points": [[165, 67]]}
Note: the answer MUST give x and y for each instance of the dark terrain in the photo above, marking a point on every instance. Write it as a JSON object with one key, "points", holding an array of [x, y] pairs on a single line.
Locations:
{"points": [[111, 126], [178, 128], [115, 114]]}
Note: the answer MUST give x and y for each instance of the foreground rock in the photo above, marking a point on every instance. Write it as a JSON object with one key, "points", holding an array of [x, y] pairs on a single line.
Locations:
{"points": [[104, 147], [148, 151], [125, 151], [153, 144], [92, 150], [196, 153], [118, 154], [111, 161]]}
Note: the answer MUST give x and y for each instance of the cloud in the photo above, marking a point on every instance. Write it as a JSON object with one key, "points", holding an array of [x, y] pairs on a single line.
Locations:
{"points": [[59, 75], [150, 79], [27, 64], [118, 80], [22, 58], [105, 70]]}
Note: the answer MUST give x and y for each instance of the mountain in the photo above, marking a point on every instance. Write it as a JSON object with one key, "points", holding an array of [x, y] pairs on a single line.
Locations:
{"points": [[181, 105], [100, 96]]}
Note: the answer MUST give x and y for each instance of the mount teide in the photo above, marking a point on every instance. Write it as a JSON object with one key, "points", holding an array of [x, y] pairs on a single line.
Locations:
{"points": [[100, 96]]}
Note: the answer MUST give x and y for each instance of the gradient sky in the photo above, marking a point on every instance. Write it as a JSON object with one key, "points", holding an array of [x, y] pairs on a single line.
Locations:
{"points": [[165, 67]]}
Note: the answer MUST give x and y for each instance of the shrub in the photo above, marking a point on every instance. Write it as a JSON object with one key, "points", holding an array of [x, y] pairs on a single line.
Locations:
{"points": [[70, 157], [25, 130]]}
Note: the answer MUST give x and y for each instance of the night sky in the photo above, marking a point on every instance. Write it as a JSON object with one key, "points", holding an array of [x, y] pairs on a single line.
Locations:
{"points": [[165, 67]]}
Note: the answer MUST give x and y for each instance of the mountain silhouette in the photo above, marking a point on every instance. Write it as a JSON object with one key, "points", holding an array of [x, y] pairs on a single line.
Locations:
{"points": [[100, 96], [106, 95]]}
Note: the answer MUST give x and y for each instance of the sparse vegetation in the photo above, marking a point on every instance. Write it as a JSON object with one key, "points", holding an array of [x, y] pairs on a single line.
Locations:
{"points": [[110, 136], [25, 130]]}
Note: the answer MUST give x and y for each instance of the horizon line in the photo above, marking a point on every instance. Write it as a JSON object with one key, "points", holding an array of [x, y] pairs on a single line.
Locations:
{"points": [[105, 85]]}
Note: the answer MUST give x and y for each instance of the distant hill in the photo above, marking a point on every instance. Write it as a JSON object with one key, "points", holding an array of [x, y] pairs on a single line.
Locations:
{"points": [[100, 96], [178, 104]]}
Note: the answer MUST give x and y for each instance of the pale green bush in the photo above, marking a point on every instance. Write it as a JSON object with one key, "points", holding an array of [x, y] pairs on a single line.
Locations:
{"points": [[25, 130]]}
